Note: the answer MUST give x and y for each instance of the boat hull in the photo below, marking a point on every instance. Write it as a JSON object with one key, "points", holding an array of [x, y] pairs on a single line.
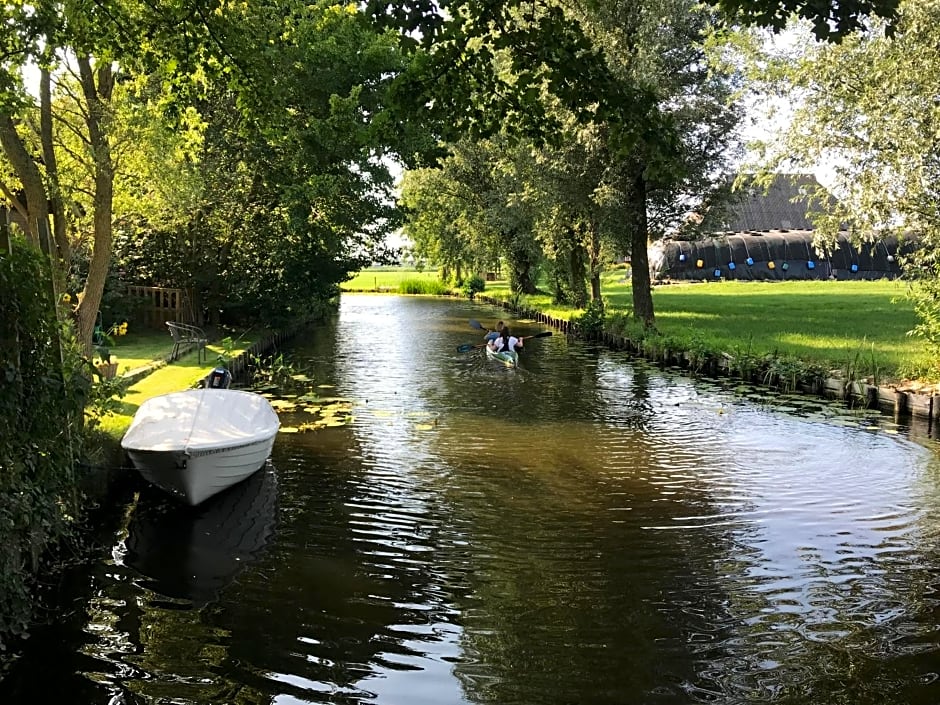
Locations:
{"points": [[507, 358], [196, 443], [196, 476]]}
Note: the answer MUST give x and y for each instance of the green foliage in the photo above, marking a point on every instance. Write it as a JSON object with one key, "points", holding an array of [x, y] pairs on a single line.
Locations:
{"points": [[277, 372], [473, 286], [42, 391], [831, 21], [591, 322], [423, 286], [924, 294], [743, 361], [104, 399]]}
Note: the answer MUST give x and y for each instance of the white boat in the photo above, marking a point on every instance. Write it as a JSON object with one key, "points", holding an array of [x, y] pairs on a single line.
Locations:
{"points": [[196, 443]]}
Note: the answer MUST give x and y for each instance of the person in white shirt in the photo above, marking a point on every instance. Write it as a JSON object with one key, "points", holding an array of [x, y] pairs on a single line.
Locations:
{"points": [[505, 342]]}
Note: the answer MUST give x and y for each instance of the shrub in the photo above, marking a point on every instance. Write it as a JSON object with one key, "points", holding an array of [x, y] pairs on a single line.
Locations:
{"points": [[591, 322], [43, 387], [473, 286]]}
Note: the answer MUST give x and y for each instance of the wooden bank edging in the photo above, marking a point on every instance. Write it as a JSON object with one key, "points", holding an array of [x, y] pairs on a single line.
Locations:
{"points": [[899, 400]]}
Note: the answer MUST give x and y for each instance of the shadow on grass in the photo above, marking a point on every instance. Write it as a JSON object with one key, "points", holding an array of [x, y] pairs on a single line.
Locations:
{"points": [[126, 408]]}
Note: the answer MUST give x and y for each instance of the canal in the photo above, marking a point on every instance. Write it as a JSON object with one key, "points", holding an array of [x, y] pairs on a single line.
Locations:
{"points": [[584, 529]]}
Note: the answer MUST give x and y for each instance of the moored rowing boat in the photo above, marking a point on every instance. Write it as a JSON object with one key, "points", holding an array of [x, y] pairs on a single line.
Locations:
{"points": [[196, 443]]}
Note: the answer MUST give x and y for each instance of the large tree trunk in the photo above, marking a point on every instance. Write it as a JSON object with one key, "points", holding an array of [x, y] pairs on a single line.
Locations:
{"points": [[6, 247], [579, 294], [520, 266], [37, 205], [639, 257], [595, 261], [56, 203], [97, 96]]}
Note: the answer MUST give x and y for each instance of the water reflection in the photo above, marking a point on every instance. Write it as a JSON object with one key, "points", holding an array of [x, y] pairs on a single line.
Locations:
{"points": [[586, 528], [193, 553]]}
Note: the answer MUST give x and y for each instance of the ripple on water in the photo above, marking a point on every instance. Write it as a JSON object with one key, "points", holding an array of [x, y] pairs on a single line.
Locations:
{"points": [[585, 529]]}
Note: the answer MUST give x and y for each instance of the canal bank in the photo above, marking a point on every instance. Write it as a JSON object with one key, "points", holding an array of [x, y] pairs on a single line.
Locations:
{"points": [[911, 400], [165, 375]]}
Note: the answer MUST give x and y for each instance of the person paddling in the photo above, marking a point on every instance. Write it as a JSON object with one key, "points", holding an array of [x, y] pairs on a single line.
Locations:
{"points": [[493, 334], [506, 342]]}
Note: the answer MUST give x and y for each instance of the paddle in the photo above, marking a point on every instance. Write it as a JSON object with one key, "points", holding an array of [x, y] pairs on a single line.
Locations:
{"points": [[467, 347], [476, 324], [543, 334]]}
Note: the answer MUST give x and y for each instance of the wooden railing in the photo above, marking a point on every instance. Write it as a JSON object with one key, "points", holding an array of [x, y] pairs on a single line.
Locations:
{"points": [[161, 305]]}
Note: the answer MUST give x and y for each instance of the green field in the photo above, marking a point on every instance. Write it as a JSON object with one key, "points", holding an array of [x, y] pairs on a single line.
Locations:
{"points": [[859, 326], [384, 279]]}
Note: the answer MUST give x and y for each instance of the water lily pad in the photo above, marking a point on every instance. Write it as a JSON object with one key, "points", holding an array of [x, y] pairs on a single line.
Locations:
{"points": [[283, 404]]}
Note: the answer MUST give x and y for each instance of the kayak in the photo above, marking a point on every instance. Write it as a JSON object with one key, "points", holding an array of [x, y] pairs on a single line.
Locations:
{"points": [[508, 357]]}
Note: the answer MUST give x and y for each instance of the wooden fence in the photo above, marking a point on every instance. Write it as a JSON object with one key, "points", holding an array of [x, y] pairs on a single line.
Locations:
{"points": [[161, 305]]}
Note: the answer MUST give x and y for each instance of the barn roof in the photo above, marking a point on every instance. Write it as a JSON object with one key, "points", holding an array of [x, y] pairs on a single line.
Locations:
{"points": [[782, 207]]}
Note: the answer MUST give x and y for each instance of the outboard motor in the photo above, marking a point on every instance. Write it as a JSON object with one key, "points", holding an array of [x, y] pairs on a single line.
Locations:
{"points": [[219, 378]]}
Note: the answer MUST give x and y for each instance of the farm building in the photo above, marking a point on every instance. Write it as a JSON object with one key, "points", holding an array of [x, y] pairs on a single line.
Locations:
{"points": [[782, 254], [766, 236]]}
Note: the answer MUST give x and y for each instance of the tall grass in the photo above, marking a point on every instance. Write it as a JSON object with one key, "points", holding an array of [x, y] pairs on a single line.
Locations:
{"points": [[385, 279], [423, 286]]}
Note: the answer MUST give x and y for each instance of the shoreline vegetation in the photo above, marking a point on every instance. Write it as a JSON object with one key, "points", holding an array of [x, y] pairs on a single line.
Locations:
{"points": [[843, 338]]}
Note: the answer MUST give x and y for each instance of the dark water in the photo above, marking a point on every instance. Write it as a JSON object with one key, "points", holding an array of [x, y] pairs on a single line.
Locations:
{"points": [[585, 529]]}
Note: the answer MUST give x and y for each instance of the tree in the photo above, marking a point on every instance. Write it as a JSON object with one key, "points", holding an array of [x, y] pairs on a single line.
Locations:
{"points": [[469, 212], [544, 71], [832, 20], [662, 44], [294, 184], [868, 109]]}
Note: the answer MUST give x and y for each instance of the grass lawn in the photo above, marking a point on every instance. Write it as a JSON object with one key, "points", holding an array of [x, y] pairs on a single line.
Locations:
{"points": [[140, 347], [180, 374], [386, 279], [860, 325]]}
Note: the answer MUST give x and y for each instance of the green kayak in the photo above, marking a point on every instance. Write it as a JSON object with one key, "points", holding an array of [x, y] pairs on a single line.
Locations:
{"points": [[508, 358]]}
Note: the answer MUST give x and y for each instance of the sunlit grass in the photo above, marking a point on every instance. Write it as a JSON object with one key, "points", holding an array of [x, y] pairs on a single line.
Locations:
{"points": [[183, 373], [835, 324], [140, 347], [381, 279]]}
